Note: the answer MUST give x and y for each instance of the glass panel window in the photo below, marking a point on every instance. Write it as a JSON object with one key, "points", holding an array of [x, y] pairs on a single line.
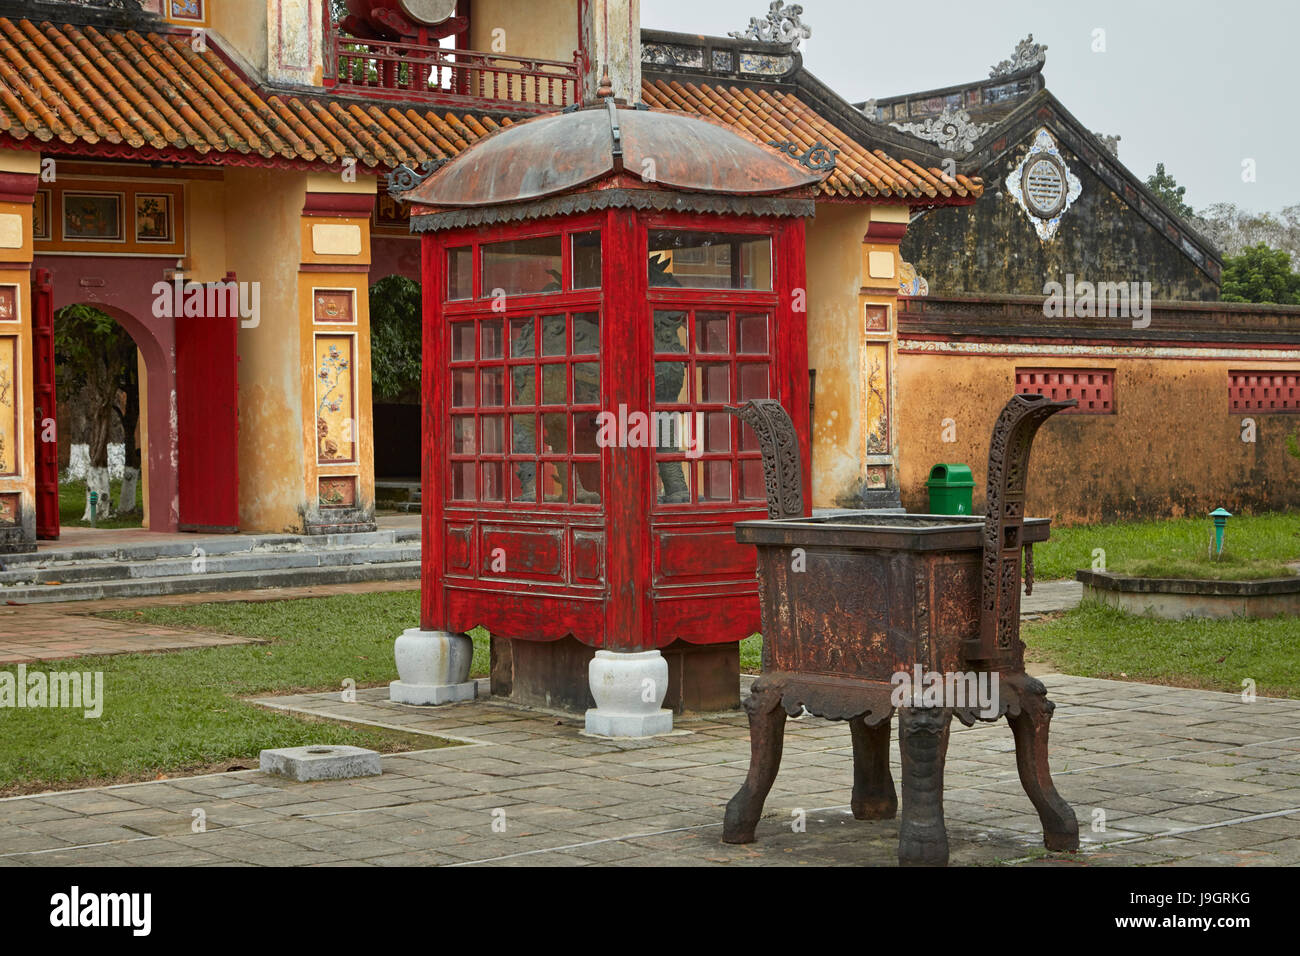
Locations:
{"points": [[691, 259], [460, 273], [586, 333], [493, 387], [711, 332], [462, 388], [554, 334], [490, 339], [586, 260], [521, 266], [703, 454], [493, 435], [462, 435], [514, 437], [751, 334], [462, 341]]}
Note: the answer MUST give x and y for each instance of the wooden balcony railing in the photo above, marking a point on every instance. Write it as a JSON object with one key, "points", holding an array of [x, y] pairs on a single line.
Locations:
{"points": [[394, 70]]}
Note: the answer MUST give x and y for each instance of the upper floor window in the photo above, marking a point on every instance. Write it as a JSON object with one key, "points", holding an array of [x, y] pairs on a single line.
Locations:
{"points": [[692, 259], [537, 265]]}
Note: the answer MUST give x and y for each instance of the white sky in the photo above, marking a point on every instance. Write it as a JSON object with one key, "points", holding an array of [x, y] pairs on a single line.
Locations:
{"points": [[1196, 84]]}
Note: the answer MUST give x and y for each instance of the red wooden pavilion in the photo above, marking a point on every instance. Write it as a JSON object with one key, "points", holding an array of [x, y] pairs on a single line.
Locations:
{"points": [[600, 286]]}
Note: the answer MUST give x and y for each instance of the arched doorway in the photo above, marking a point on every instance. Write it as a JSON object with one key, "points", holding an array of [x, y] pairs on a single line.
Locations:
{"points": [[98, 412], [128, 299]]}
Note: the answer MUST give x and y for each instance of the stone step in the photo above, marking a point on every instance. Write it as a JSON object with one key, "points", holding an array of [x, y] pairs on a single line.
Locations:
{"points": [[100, 570], [212, 581], [212, 545]]}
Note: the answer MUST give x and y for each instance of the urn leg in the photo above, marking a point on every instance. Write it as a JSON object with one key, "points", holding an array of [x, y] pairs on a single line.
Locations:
{"points": [[874, 797], [923, 740], [1030, 726], [766, 735]]}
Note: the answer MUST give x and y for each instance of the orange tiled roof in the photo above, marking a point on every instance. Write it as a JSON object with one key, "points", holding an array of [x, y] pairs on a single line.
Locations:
{"points": [[780, 115], [85, 87]]}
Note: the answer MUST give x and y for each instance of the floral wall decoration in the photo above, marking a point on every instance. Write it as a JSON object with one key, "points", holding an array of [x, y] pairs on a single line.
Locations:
{"points": [[335, 389]]}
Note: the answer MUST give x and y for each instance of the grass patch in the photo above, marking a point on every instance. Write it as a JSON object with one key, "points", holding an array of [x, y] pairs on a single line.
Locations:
{"points": [[180, 712], [1094, 640], [751, 654], [72, 505], [1256, 546]]}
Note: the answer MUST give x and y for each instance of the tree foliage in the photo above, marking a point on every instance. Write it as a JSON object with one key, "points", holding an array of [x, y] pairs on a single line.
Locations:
{"points": [[96, 363], [1169, 192], [1260, 274], [1232, 229], [395, 358]]}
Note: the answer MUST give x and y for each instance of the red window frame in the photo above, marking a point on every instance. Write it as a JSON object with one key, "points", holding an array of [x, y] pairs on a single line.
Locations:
{"points": [[482, 309], [743, 453]]}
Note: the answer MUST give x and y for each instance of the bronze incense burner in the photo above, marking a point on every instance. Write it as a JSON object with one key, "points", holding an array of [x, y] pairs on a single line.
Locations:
{"points": [[852, 601]]}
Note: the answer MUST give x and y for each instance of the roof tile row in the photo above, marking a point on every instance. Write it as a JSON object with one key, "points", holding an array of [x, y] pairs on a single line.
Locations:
{"points": [[82, 85]]}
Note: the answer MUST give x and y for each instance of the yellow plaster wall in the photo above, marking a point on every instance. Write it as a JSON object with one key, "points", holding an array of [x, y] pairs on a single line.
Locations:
{"points": [[1173, 448], [242, 24], [20, 255], [544, 29], [206, 227], [263, 244], [834, 261]]}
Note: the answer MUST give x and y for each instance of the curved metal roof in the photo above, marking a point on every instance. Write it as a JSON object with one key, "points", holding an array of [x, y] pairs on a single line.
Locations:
{"points": [[559, 152]]}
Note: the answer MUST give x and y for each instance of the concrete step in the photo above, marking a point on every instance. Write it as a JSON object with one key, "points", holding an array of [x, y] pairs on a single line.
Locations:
{"points": [[228, 563], [213, 581]]}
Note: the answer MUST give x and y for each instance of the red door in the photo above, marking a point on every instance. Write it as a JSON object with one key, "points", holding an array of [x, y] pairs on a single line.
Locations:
{"points": [[207, 412], [47, 446]]}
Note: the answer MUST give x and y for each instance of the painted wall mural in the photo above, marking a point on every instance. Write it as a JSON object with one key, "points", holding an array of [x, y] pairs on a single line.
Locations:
{"points": [[338, 492], [335, 398], [8, 405], [875, 361]]}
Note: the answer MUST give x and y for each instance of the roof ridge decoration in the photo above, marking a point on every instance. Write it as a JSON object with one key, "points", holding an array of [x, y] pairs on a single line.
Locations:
{"points": [[1026, 55], [1110, 142], [1043, 186], [782, 25], [404, 177], [818, 157], [952, 130]]}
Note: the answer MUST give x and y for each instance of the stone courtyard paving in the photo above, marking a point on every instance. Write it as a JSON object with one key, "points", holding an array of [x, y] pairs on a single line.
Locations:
{"points": [[1184, 777]]}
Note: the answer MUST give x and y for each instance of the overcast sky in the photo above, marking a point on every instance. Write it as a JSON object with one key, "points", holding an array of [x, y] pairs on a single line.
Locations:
{"points": [[1196, 84]]}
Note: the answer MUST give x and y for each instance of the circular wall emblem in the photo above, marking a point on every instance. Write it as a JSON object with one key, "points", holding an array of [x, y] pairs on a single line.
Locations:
{"points": [[1044, 186]]}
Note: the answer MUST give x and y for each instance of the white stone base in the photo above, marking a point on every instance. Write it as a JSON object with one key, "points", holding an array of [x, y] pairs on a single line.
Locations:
{"points": [[400, 692], [629, 725], [629, 689], [432, 668], [323, 762]]}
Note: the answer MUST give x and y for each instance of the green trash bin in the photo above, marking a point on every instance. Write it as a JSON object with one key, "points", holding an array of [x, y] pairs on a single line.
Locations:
{"points": [[951, 488]]}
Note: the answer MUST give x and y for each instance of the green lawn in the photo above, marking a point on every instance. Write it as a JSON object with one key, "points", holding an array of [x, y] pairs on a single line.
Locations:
{"points": [[179, 712], [1097, 641], [1255, 546], [72, 505]]}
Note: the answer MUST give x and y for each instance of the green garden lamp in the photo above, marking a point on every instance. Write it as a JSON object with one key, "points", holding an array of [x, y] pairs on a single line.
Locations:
{"points": [[1220, 517], [94, 501]]}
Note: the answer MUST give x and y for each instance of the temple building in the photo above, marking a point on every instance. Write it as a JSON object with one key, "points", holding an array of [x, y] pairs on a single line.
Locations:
{"points": [[215, 177]]}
